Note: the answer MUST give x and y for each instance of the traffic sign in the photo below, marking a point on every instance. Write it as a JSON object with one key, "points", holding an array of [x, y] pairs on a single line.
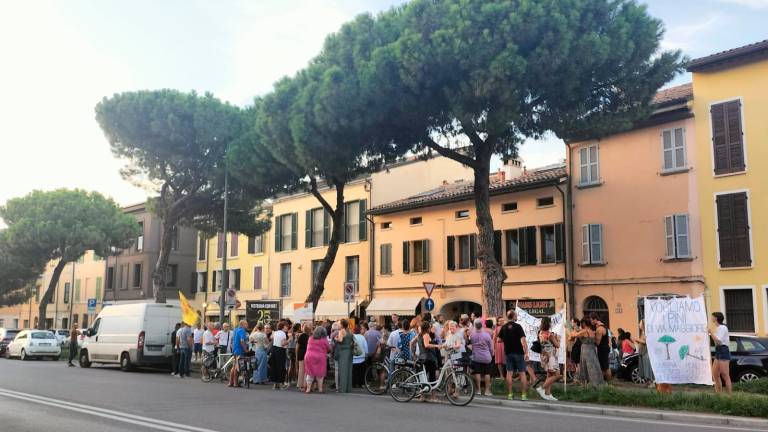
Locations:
{"points": [[231, 297], [91, 305], [349, 292], [429, 287], [429, 304]]}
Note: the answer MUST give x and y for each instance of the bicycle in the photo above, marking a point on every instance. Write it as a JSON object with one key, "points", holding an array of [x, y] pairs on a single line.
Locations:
{"points": [[246, 370], [225, 363], [377, 376], [458, 386]]}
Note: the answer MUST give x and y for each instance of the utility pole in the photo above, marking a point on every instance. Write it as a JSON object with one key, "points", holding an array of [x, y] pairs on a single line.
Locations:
{"points": [[71, 295], [224, 273]]}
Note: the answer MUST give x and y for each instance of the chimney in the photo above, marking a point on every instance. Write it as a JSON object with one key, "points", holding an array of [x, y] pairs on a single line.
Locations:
{"points": [[502, 176], [513, 168], [445, 182]]}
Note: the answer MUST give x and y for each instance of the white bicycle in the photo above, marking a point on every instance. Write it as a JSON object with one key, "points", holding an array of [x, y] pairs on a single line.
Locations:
{"points": [[458, 386]]}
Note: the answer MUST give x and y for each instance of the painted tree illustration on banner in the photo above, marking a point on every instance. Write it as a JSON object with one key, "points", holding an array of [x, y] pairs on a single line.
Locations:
{"points": [[666, 340], [685, 351]]}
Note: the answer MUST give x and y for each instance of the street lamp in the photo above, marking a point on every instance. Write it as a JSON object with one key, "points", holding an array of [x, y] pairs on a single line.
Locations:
{"points": [[224, 273]]}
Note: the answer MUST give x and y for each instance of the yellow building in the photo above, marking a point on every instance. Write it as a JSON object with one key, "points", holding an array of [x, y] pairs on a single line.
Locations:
{"points": [[731, 107], [431, 237]]}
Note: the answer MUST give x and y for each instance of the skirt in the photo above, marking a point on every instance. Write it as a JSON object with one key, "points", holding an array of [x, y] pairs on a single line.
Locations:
{"points": [[277, 365]]}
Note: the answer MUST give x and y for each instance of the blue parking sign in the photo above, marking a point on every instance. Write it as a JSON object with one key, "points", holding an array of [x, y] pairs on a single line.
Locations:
{"points": [[91, 305]]}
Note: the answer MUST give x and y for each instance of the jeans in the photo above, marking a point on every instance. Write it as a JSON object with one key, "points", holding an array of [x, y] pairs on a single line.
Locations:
{"points": [[184, 361], [175, 361], [72, 351], [260, 371]]}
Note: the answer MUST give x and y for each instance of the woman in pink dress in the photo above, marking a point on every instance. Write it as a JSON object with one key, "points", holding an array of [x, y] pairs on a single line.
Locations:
{"points": [[315, 360], [498, 346]]}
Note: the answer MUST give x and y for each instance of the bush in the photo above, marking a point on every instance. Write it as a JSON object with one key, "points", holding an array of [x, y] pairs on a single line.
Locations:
{"points": [[739, 404], [757, 386]]}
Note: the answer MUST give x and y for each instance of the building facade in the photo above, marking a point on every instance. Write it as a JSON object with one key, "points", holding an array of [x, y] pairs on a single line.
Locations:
{"points": [[731, 107], [635, 214]]}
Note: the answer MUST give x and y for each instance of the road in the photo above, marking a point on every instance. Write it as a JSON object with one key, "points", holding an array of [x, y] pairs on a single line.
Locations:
{"points": [[46, 395]]}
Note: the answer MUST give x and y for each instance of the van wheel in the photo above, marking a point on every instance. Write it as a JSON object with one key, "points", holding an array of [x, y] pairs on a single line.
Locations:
{"points": [[125, 362], [84, 362]]}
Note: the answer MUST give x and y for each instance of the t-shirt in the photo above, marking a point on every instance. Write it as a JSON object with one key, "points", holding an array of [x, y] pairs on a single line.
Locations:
{"points": [[240, 335], [183, 336], [482, 347], [223, 337], [404, 345], [394, 339], [278, 338], [197, 336], [209, 343], [360, 340], [511, 334], [372, 338], [723, 335]]}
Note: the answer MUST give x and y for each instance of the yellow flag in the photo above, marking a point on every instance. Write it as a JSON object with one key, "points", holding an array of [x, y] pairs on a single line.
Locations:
{"points": [[188, 315]]}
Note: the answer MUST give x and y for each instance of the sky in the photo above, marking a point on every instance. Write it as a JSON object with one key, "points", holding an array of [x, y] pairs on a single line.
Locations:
{"points": [[60, 58]]}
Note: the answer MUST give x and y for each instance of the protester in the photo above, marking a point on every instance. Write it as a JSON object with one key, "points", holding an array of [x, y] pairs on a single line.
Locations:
{"points": [[222, 339], [404, 343], [293, 365], [344, 350], [301, 352], [335, 327], [549, 348], [184, 342], [575, 345], [239, 345], [260, 345], [279, 355], [358, 360], [393, 342], [627, 348], [197, 339], [721, 363], [498, 346], [589, 365], [73, 334], [516, 354], [482, 357], [602, 341], [175, 348], [208, 346], [395, 323], [644, 360], [315, 361], [373, 340]]}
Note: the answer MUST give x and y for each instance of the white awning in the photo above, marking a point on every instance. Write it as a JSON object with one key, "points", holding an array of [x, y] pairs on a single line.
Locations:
{"points": [[405, 305], [332, 309]]}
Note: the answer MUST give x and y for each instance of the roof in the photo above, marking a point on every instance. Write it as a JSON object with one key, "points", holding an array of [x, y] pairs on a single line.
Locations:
{"points": [[744, 54], [673, 94], [462, 190]]}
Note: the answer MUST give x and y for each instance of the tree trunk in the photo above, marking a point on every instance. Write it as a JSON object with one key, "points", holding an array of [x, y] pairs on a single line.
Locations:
{"points": [[161, 266], [337, 216], [493, 274], [49, 293]]}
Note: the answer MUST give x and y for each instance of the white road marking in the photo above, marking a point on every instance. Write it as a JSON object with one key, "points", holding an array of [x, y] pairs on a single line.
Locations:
{"points": [[104, 413]]}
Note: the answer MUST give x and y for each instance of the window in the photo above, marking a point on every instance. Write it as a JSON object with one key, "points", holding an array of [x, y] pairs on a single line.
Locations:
{"points": [[509, 207], [175, 238], [140, 238], [589, 166], [678, 240], [595, 304], [234, 244], [220, 245], [216, 283], [385, 266], [315, 271], [727, 137], [137, 275], [256, 244], [285, 280], [592, 244], [202, 281], [673, 149], [462, 214], [513, 247], [285, 232], [416, 256], [99, 282], [234, 279], [66, 292], [257, 276], [552, 244], [202, 248], [120, 275], [355, 223], [386, 225], [733, 231], [545, 202], [353, 271], [739, 310], [467, 251], [416, 220], [317, 229], [521, 246], [751, 345], [110, 278], [77, 291], [172, 275]]}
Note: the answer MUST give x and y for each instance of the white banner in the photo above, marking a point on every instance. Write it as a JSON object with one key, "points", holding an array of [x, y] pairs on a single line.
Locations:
{"points": [[678, 340], [531, 326]]}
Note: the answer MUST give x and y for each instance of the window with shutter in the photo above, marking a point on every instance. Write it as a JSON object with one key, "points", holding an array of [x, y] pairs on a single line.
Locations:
{"points": [[234, 246], [425, 255], [512, 247], [219, 245], [547, 244], [406, 257], [473, 251], [733, 230], [202, 245], [589, 173], [308, 229], [294, 228], [257, 277], [451, 252], [279, 233], [739, 310], [497, 246], [464, 258], [363, 223], [528, 246], [727, 137], [673, 149], [676, 231], [559, 243], [326, 227], [592, 244], [353, 219], [385, 265]]}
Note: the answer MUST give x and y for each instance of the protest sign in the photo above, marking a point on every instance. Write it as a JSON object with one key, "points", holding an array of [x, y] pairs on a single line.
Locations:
{"points": [[678, 340], [531, 326]]}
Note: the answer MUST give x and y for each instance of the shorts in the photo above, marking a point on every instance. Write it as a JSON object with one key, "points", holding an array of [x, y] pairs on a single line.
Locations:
{"points": [[482, 368], [515, 362], [723, 352], [198, 347], [604, 359]]}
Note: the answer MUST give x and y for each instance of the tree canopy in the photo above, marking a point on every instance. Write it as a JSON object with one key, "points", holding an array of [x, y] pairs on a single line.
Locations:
{"points": [[61, 225], [18, 272]]}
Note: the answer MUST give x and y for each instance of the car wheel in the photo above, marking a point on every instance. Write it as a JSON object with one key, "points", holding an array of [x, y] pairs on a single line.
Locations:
{"points": [[748, 375], [634, 376], [7, 354], [84, 362], [23, 355], [125, 362]]}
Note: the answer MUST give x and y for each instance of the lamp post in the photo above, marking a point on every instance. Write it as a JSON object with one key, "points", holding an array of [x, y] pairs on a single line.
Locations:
{"points": [[224, 273]]}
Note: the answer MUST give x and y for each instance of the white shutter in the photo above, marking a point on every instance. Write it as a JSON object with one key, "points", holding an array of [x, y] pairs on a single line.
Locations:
{"points": [[596, 243], [584, 165], [682, 243], [669, 233], [679, 146], [585, 244], [667, 150], [594, 168]]}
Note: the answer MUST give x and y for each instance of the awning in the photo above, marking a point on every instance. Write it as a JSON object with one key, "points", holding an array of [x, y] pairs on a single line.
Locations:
{"points": [[333, 309], [404, 305]]}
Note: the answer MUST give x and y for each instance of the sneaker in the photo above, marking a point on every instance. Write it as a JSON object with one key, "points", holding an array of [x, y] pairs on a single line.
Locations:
{"points": [[487, 393], [173, 373], [510, 396], [524, 397], [541, 393], [551, 398]]}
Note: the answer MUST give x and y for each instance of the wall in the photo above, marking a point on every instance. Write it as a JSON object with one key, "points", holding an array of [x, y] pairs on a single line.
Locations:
{"points": [[411, 177]]}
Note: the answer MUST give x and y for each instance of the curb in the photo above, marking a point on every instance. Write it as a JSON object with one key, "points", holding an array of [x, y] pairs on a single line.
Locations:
{"points": [[636, 413]]}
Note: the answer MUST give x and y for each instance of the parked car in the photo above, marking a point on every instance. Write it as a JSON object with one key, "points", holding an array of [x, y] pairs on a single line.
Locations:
{"points": [[131, 335], [34, 344], [749, 360], [62, 335], [6, 336]]}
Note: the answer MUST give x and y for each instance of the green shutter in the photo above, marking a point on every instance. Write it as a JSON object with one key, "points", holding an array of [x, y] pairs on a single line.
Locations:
{"points": [[98, 289], [559, 243], [77, 290], [308, 229], [497, 245], [406, 258], [279, 233], [425, 255], [294, 228], [363, 221], [326, 227], [451, 248], [345, 208], [473, 251]]}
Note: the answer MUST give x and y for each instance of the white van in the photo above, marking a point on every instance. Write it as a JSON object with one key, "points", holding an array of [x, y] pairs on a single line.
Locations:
{"points": [[137, 334]]}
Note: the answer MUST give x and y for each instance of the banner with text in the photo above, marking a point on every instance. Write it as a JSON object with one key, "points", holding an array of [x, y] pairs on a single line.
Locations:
{"points": [[678, 340], [531, 326]]}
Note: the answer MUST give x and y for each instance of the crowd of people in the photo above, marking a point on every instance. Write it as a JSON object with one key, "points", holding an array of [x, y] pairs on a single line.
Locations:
{"points": [[287, 354]]}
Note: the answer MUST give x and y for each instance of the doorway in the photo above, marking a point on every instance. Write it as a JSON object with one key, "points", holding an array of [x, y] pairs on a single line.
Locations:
{"points": [[454, 310]]}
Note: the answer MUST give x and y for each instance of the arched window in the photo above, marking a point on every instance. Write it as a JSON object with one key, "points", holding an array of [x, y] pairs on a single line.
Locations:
{"points": [[599, 306]]}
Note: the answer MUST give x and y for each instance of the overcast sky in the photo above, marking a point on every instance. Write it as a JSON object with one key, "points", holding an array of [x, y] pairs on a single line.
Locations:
{"points": [[60, 58]]}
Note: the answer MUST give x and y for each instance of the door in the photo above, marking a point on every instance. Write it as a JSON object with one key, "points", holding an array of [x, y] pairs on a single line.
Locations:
{"points": [[14, 348], [95, 349], [157, 330]]}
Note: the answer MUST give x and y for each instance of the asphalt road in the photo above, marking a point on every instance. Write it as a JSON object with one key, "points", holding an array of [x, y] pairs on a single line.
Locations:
{"points": [[48, 396]]}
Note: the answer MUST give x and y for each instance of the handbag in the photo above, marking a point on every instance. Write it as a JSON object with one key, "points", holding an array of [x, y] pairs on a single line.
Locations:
{"points": [[536, 346]]}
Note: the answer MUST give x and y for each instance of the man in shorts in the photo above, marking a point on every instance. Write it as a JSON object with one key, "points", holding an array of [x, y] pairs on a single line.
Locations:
{"points": [[516, 353]]}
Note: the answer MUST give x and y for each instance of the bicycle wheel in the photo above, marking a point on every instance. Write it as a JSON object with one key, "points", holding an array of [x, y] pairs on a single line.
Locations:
{"points": [[376, 378], [245, 376], [226, 370], [459, 388], [403, 385]]}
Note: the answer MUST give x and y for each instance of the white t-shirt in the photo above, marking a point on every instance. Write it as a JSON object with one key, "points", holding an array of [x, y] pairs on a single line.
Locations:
{"points": [[393, 341], [209, 342], [723, 335], [223, 338], [278, 338], [197, 336]]}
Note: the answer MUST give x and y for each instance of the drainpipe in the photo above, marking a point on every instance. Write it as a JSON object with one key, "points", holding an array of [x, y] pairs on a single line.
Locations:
{"points": [[568, 295], [570, 263]]}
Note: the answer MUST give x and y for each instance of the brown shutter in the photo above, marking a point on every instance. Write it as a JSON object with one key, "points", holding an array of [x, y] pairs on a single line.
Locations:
{"points": [[497, 245], [719, 138], [406, 257], [257, 278], [451, 247], [727, 137], [735, 141], [742, 252], [473, 251]]}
